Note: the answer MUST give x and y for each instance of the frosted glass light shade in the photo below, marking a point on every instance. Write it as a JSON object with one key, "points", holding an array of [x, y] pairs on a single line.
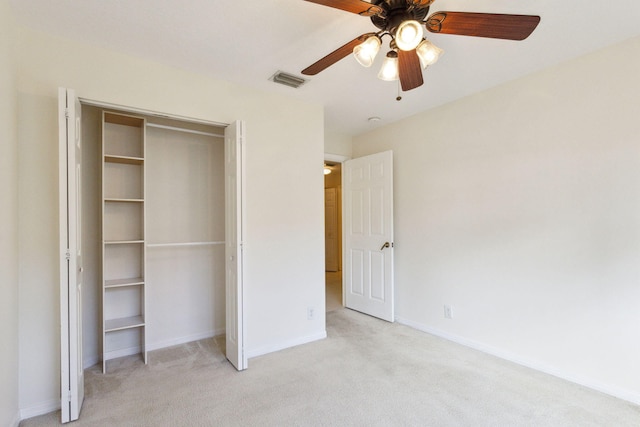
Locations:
{"points": [[428, 53], [366, 51], [408, 35], [389, 70]]}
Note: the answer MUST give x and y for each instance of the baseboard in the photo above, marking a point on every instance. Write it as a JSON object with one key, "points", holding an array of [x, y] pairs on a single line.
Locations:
{"points": [[39, 409], [183, 340], [129, 351], [91, 360], [627, 395], [285, 344], [16, 420]]}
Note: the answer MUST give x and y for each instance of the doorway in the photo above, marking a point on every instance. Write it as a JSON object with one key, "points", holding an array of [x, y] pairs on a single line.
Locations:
{"points": [[333, 235]]}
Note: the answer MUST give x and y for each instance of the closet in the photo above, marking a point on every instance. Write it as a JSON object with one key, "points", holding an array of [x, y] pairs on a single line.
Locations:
{"points": [[156, 270]]}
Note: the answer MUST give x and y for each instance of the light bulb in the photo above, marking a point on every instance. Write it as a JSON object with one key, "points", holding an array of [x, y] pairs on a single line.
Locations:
{"points": [[408, 35], [389, 70], [366, 51], [428, 53]]}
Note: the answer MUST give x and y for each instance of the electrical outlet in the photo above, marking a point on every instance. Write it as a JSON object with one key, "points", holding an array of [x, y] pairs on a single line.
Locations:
{"points": [[448, 312], [311, 313]]}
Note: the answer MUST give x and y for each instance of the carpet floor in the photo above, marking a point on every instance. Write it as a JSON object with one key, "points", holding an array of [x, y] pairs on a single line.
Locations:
{"points": [[366, 373]]}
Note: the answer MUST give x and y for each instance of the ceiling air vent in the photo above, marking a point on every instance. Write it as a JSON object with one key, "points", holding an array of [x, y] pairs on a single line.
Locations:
{"points": [[287, 79]]}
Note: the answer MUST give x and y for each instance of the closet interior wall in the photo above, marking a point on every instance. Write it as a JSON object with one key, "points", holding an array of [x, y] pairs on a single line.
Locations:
{"points": [[184, 221]]}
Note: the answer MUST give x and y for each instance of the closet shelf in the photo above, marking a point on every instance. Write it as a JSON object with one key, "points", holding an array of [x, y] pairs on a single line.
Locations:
{"points": [[108, 158], [175, 244], [119, 283], [123, 323], [122, 242], [123, 200]]}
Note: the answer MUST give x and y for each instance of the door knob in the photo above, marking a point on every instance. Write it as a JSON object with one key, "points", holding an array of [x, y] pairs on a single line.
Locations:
{"points": [[386, 245]]}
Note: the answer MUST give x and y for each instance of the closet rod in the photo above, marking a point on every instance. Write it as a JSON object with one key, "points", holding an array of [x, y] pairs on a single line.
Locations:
{"points": [[197, 132], [167, 245]]}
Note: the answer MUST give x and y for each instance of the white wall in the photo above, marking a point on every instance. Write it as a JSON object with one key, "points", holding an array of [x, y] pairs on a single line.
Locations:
{"points": [[284, 254], [520, 207], [9, 415], [338, 144]]}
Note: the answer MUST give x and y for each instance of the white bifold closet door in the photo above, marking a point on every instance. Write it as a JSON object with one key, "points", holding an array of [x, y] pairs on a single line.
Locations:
{"points": [[234, 241], [71, 266]]}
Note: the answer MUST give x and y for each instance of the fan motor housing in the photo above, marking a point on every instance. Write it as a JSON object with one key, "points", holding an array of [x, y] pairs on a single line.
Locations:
{"points": [[397, 11]]}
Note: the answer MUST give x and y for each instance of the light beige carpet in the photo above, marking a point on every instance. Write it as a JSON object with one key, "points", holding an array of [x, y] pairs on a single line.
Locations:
{"points": [[366, 373]]}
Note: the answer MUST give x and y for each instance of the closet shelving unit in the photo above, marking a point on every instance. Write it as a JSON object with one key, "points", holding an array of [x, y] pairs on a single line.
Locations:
{"points": [[123, 236]]}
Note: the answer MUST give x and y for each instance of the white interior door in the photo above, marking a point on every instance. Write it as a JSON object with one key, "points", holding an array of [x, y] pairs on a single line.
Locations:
{"points": [[233, 171], [71, 372], [368, 229]]}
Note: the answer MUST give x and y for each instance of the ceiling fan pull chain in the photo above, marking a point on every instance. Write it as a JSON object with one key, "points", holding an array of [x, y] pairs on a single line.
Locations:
{"points": [[398, 98]]}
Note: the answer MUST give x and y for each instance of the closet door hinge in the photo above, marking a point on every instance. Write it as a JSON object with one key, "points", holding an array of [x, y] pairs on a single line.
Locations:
{"points": [[67, 254], [66, 113], [69, 396]]}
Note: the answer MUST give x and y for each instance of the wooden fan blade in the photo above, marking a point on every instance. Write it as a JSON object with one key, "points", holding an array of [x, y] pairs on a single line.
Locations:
{"points": [[420, 3], [492, 25], [335, 56], [360, 7], [409, 69]]}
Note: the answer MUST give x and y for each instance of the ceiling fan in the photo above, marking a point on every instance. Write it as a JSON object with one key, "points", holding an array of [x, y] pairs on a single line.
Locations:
{"points": [[410, 52]]}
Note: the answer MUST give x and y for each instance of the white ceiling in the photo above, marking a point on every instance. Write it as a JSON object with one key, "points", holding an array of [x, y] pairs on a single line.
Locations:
{"points": [[248, 41]]}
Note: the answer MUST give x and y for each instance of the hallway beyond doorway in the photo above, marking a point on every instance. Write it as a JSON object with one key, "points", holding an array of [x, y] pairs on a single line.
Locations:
{"points": [[333, 293]]}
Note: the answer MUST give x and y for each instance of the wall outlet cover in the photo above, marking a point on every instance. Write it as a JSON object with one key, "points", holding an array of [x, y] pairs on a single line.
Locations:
{"points": [[448, 312]]}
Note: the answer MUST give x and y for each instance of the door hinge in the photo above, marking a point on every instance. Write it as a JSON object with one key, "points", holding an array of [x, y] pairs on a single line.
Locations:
{"points": [[69, 396], [67, 254], [66, 113]]}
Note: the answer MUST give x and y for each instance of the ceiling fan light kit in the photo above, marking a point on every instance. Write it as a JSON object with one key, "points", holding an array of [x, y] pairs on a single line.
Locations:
{"points": [[408, 35], [389, 70], [403, 21], [428, 53], [366, 52]]}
